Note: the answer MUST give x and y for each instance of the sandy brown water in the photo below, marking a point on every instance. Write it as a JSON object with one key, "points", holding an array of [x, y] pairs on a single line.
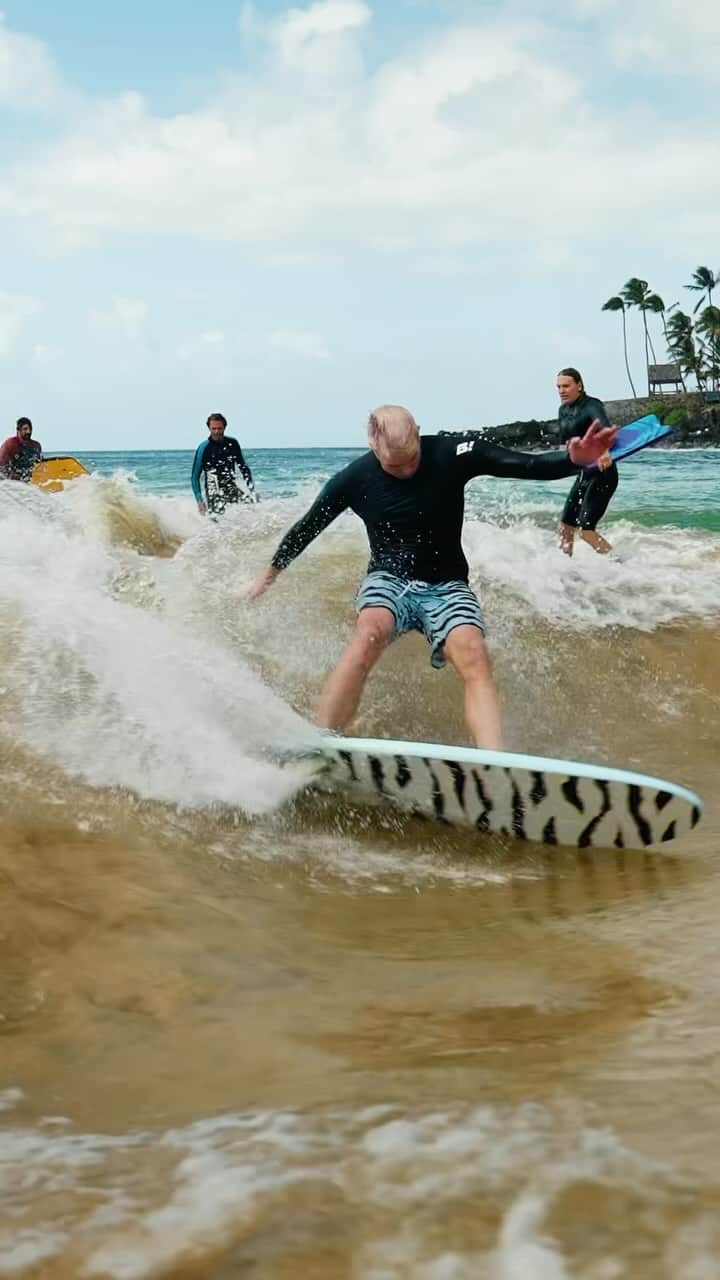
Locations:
{"points": [[328, 1042]]}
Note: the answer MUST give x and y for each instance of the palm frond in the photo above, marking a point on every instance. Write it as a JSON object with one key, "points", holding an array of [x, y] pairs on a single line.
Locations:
{"points": [[634, 291]]}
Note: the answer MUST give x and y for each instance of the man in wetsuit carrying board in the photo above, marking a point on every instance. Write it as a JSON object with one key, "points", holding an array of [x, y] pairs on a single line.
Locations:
{"points": [[409, 493], [219, 467], [589, 498]]}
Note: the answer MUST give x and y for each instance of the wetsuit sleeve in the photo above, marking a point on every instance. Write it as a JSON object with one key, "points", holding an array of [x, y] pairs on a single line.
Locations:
{"points": [[245, 472], [329, 504], [482, 459], [5, 456], [197, 471]]}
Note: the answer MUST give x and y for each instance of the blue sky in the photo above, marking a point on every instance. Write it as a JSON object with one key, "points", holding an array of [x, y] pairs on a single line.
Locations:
{"points": [[292, 214]]}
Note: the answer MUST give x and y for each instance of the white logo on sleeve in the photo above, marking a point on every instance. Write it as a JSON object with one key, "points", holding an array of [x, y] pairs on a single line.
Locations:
{"points": [[465, 447]]}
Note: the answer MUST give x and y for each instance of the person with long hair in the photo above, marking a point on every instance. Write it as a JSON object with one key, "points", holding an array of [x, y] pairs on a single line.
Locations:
{"points": [[589, 498]]}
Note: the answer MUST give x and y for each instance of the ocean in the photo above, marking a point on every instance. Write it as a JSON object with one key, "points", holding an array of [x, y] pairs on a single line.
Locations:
{"points": [[250, 1032]]}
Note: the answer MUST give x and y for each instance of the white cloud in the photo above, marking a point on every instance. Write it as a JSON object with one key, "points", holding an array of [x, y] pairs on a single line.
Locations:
{"points": [[294, 34], [29, 80], [308, 54], [303, 37], [15, 310], [681, 39], [125, 316], [202, 344], [309, 345], [484, 133]]}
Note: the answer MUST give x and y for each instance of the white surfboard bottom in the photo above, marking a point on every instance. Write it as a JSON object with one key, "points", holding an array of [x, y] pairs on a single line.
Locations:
{"points": [[553, 802]]}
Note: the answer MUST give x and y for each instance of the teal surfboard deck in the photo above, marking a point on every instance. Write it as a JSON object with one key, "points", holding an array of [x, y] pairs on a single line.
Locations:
{"points": [[552, 802]]}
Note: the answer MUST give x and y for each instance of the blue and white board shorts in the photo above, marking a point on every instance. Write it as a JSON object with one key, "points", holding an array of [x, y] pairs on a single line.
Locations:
{"points": [[433, 608]]}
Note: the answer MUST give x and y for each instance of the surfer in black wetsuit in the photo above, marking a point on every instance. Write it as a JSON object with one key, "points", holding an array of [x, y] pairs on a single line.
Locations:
{"points": [[589, 498], [220, 467], [409, 493]]}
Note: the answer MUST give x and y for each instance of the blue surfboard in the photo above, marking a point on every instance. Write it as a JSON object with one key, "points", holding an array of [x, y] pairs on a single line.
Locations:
{"points": [[553, 802], [636, 436]]}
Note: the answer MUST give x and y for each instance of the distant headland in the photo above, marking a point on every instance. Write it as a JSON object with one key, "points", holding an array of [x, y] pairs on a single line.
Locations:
{"points": [[695, 423]]}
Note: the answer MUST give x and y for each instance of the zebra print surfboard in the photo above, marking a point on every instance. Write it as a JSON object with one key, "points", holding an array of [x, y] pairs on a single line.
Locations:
{"points": [[553, 802]]}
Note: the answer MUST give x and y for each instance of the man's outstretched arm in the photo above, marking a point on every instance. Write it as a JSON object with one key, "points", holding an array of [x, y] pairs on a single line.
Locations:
{"points": [[329, 504], [493, 460]]}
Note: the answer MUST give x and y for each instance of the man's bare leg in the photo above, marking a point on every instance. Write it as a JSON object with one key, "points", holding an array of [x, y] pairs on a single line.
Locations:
{"points": [[566, 538], [374, 629], [596, 541], [465, 648]]}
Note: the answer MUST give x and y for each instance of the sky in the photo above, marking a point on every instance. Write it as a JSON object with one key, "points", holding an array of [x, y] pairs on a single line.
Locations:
{"points": [[293, 214]]}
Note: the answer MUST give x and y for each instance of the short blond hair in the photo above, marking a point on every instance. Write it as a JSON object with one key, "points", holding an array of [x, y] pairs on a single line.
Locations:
{"points": [[393, 426]]}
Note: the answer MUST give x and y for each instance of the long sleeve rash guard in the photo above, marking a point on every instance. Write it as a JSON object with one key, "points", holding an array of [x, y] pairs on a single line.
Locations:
{"points": [[414, 526], [224, 461]]}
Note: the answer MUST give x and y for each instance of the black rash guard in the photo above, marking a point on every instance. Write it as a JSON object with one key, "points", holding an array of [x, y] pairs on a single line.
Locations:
{"points": [[414, 526]]}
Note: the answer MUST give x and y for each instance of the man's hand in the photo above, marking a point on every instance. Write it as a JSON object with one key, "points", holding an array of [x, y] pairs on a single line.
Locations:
{"points": [[201, 507], [590, 448], [261, 583]]}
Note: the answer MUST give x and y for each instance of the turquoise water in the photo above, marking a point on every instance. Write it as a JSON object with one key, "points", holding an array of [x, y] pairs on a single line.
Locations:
{"points": [[657, 488], [278, 473]]}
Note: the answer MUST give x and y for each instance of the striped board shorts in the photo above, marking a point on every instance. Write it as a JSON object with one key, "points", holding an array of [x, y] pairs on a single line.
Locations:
{"points": [[434, 608]]}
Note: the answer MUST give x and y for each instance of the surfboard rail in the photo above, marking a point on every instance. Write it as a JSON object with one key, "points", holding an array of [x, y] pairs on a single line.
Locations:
{"points": [[543, 799]]}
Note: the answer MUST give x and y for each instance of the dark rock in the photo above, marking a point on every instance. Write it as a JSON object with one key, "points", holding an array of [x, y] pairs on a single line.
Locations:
{"points": [[695, 423]]}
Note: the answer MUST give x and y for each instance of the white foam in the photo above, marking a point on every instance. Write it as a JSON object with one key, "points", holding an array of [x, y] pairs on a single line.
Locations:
{"points": [[135, 1206], [9, 1098], [213, 1195], [29, 1247], [119, 695], [522, 1252], [654, 578], [93, 501]]}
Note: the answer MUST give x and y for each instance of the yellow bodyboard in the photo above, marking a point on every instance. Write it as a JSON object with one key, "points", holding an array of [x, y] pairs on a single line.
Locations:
{"points": [[51, 473]]}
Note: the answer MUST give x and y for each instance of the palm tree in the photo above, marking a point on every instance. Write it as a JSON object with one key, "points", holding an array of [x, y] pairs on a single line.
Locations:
{"points": [[704, 281], [617, 304], [682, 345], [635, 293], [708, 324]]}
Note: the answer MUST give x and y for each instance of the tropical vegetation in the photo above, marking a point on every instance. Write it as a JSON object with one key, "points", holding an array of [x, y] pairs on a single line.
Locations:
{"points": [[692, 341]]}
